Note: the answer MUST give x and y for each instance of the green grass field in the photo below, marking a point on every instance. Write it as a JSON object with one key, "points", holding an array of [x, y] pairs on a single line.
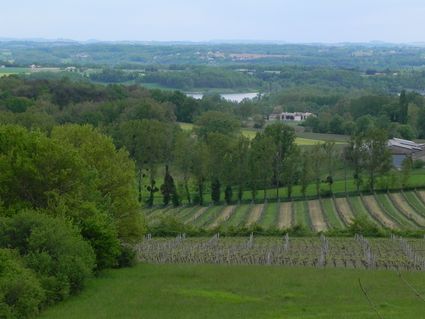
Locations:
{"points": [[269, 218], [331, 214], [212, 291], [10, 71], [238, 216], [250, 133], [23, 70]]}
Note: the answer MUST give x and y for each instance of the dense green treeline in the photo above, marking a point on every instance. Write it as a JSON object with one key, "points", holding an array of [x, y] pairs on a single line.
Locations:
{"points": [[136, 55], [277, 78], [63, 101], [213, 159], [262, 67], [402, 116], [201, 78], [68, 209], [267, 78]]}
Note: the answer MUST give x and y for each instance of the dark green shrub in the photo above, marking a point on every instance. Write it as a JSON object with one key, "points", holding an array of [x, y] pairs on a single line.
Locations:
{"points": [[175, 199], [215, 190], [102, 235], [325, 193], [20, 292], [75, 173], [418, 164], [362, 226], [52, 248], [170, 227], [127, 258], [228, 195], [196, 199]]}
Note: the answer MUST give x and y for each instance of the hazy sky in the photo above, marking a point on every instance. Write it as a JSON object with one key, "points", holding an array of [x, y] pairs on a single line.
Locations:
{"points": [[200, 20]]}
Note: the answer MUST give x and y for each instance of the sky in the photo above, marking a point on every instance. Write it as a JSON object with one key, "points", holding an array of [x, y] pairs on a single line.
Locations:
{"points": [[294, 21]]}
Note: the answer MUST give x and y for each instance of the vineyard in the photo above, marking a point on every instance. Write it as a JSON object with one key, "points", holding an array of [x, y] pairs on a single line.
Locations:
{"points": [[404, 211], [395, 253]]}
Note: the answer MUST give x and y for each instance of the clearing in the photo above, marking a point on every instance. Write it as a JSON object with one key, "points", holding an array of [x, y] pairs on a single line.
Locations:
{"points": [[218, 291]]}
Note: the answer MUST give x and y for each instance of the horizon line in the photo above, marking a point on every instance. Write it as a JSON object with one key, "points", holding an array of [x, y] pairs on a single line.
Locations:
{"points": [[212, 41]]}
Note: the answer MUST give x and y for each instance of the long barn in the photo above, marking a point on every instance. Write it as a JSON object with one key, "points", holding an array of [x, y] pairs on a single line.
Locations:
{"points": [[400, 149]]}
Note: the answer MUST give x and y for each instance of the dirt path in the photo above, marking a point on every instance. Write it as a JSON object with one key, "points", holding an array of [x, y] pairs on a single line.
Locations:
{"points": [[316, 216], [285, 216], [344, 208], [421, 196], [255, 214], [376, 211], [223, 216], [407, 210], [195, 216]]}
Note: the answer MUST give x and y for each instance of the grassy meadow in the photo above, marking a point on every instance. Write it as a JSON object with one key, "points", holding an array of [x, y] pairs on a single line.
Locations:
{"points": [[300, 140], [213, 291], [10, 71]]}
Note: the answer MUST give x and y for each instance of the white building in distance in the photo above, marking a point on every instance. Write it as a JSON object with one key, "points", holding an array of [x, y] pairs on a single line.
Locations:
{"points": [[400, 149], [289, 116]]}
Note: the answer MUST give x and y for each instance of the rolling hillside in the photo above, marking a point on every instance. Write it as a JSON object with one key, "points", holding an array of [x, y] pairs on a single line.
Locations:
{"points": [[396, 211]]}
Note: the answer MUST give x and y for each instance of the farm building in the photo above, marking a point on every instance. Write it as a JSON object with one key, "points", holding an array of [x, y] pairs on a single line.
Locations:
{"points": [[400, 149], [289, 116]]}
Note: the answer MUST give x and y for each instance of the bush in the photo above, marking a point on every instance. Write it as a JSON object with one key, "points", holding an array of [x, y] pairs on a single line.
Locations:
{"points": [[127, 258], [418, 164], [362, 226], [169, 226], [20, 292], [52, 248], [114, 178], [100, 231], [76, 172]]}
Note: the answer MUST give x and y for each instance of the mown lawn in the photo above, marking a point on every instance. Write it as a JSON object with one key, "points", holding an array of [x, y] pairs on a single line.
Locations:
{"points": [[250, 133], [207, 291]]}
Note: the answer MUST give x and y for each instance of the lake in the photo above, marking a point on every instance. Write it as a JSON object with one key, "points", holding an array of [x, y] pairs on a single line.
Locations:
{"points": [[233, 97]]}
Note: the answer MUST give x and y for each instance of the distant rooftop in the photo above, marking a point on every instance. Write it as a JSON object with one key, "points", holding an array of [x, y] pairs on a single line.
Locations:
{"points": [[406, 144]]}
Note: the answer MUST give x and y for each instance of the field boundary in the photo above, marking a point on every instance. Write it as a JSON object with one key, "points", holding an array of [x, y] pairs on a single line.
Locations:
{"points": [[409, 215], [374, 214]]}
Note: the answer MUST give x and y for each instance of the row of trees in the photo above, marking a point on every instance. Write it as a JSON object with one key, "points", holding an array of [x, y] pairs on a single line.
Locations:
{"points": [[215, 158]]}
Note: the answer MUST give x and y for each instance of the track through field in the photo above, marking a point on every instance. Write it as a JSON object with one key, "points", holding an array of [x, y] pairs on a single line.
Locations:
{"points": [[344, 208], [318, 221], [376, 211], [255, 215], [285, 216], [223, 216]]}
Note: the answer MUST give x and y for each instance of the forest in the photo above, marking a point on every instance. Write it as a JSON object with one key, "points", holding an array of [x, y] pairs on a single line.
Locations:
{"points": [[179, 165], [363, 56], [344, 68]]}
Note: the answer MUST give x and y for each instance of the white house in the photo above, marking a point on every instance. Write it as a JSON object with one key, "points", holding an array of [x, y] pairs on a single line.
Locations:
{"points": [[289, 116]]}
